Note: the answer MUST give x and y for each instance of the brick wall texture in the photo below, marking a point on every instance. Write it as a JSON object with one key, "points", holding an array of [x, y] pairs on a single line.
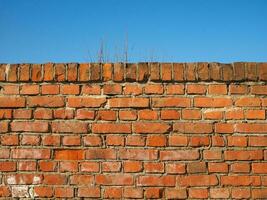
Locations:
{"points": [[133, 131]]}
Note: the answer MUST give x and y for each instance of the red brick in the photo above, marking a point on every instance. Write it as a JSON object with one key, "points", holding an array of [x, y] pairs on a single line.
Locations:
{"points": [[29, 126], [198, 141], [84, 72], [258, 89], [262, 70], [198, 167], [127, 115], [156, 141], [5, 113], [238, 89], [153, 89], [243, 155], [251, 128], [113, 193], [81, 179], [111, 128], [70, 89], [9, 140], [219, 193], [115, 140], [69, 154], [153, 193], [78, 102], [200, 193], [92, 141], [248, 102], [179, 155], [85, 114], [90, 167], [241, 193], [255, 114], [150, 127], [166, 71], [133, 193], [209, 102], [175, 193], [171, 102], [118, 179], [143, 72], [112, 89], [107, 71], [43, 191], [138, 154], [135, 89], [111, 166], [190, 71], [12, 102], [175, 89], [54, 179], [148, 114], [154, 71], [50, 89], [29, 89], [257, 141], [72, 72], [237, 141], [259, 168], [240, 180], [91, 89], [128, 102], [36, 74], [108, 115], [197, 180], [22, 114], [118, 73], [191, 114], [24, 72], [7, 166], [91, 191], [196, 89], [175, 168], [98, 153], [212, 154], [259, 193], [210, 114], [32, 140], [150, 167], [95, 71], [47, 166], [48, 71], [152, 180], [197, 127], [178, 140], [169, 114], [178, 71], [64, 192], [46, 101], [130, 72], [132, 166], [71, 140], [203, 71], [217, 89], [23, 179], [218, 141], [30, 153], [224, 128], [51, 140], [240, 167], [69, 127], [217, 167], [10, 89], [235, 114], [135, 140], [27, 166]]}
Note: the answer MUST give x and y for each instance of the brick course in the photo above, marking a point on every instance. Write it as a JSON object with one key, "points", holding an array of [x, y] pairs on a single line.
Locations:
{"points": [[133, 131]]}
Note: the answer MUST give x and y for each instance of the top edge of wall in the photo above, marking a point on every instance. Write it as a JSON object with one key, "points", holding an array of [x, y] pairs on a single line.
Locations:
{"points": [[134, 72]]}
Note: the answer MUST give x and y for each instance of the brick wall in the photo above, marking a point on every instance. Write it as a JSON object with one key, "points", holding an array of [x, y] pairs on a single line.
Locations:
{"points": [[141, 131]]}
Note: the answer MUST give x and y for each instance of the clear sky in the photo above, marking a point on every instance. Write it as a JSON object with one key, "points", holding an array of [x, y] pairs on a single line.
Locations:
{"points": [[40, 31]]}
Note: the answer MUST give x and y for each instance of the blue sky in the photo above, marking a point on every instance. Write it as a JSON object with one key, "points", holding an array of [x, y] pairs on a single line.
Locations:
{"points": [[39, 31]]}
